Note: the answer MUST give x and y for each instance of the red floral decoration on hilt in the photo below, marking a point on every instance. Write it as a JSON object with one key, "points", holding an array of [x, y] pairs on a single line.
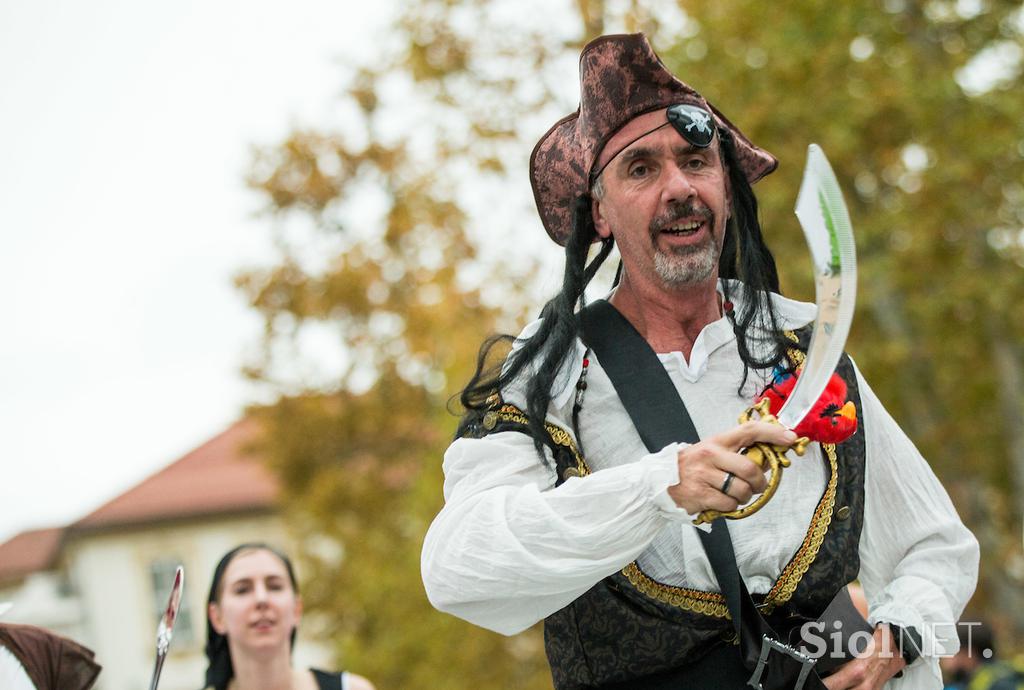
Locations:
{"points": [[833, 419]]}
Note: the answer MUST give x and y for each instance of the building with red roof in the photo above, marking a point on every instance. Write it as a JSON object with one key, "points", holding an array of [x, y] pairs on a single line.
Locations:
{"points": [[30, 552], [220, 477], [103, 579]]}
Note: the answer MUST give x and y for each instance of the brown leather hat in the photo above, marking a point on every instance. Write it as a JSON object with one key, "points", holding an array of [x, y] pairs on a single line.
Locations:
{"points": [[621, 77]]}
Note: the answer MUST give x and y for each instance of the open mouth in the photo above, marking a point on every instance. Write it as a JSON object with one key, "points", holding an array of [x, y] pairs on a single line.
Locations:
{"points": [[683, 229]]}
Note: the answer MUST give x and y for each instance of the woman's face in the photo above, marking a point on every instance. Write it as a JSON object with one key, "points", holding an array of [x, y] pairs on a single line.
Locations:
{"points": [[257, 606]]}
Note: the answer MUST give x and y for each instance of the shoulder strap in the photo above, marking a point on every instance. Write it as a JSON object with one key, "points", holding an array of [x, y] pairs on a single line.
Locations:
{"points": [[661, 418], [646, 391]]}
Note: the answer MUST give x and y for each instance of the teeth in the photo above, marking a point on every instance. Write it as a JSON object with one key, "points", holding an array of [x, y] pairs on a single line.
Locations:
{"points": [[685, 228]]}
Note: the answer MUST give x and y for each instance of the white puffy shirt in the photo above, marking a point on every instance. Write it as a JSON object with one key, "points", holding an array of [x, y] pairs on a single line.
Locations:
{"points": [[509, 548]]}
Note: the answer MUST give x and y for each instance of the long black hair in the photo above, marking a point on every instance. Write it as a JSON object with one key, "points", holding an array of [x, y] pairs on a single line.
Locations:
{"points": [[745, 257], [219, 669]]}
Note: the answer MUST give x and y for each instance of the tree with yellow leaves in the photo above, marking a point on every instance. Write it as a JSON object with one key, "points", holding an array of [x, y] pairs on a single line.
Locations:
{"points": [[407, 239]]}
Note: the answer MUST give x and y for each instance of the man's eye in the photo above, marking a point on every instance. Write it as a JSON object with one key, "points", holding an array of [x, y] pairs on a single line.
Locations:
{"points": [[694, 164], [638, 170]]}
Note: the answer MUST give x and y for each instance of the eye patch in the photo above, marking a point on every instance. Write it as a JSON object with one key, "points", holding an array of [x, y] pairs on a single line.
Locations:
{"points": [[693, 124]]}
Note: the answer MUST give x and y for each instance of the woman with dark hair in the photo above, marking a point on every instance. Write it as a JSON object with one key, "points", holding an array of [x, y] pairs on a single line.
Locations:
{"points": [[252, 615]]}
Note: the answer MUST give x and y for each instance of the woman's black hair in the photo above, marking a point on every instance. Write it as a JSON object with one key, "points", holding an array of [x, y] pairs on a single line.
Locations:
{"points": [[219, 670], [745, 257]]}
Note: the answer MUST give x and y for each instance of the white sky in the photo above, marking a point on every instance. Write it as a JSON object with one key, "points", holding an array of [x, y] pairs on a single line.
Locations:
{"points": [[125, 130]]}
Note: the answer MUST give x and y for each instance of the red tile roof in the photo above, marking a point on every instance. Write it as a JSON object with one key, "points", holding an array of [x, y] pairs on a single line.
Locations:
{"points": [[29, 552], [220, 476]]}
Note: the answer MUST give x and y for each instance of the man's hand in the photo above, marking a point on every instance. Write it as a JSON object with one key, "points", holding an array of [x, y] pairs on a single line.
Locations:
{"points": [[879, 662], [704, 466]]}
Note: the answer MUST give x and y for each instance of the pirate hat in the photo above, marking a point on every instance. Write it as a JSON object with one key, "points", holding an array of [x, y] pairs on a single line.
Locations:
{"points": [[621, 77]]}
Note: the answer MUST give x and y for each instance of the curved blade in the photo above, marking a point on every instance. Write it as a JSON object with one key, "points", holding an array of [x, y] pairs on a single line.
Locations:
{"points": [[165, 629], [822, 214]]}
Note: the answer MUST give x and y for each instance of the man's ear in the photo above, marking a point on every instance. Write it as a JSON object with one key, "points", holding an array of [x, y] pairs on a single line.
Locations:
{"points": [[600, 222]]}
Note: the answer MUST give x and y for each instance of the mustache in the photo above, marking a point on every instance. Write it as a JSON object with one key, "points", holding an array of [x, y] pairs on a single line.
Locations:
{"points": [[678, 211]]}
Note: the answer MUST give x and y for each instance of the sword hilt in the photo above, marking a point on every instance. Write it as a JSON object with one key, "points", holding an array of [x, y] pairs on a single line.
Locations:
{"points": [[765, 456]]}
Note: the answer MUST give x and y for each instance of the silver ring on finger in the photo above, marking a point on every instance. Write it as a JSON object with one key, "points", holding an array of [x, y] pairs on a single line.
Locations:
{"points": [[729, 476]]}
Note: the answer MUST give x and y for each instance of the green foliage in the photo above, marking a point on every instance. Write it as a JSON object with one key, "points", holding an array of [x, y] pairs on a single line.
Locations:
{"points": [[405, 239], [377, 261]]}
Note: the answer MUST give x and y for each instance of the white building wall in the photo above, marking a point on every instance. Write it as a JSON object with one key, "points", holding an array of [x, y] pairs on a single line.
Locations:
{"points": [[42, 599]]}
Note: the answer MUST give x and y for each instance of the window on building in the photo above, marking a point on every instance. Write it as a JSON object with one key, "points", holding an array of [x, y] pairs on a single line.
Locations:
{"points": [[161, 573], [65, 589]]}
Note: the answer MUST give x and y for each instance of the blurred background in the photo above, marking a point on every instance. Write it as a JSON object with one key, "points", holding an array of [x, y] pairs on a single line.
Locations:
{"points": [[287, 298]]}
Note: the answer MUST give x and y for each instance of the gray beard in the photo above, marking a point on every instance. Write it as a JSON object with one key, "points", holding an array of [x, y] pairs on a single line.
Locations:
{"points": [[685, 266]]}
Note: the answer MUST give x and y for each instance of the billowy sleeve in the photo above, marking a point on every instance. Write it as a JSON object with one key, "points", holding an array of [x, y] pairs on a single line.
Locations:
{"points": [[509, 548], [919, 563]]}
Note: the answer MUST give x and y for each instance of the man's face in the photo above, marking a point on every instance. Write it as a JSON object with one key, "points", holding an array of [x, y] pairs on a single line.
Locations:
{"points": [[666, 204]]}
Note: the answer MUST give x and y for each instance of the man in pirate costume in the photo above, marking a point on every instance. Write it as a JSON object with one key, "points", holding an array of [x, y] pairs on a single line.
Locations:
{"points": [[565, 504]]}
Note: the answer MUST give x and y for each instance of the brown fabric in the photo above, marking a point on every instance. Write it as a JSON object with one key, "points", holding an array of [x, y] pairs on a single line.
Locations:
{"points": [[52, 662], [621, 77]]}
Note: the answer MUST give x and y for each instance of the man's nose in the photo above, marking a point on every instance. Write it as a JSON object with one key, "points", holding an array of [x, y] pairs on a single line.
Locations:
{"points": [[678, 185]]}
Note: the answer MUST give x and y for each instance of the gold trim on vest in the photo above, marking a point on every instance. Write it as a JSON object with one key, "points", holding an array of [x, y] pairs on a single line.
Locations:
{"points": [[713, 603], [561, 437]]}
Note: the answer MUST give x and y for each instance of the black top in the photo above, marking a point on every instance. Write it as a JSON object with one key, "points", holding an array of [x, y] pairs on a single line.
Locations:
{"points": [[327, 681]]}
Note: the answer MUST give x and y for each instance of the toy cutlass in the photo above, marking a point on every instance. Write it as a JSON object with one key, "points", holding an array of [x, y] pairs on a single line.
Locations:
{"points": [[165, 629], [826, 224]]}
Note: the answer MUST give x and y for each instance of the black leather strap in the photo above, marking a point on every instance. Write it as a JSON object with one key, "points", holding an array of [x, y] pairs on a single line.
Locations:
{"points": [[646, 391], [661, 418], [908, 641]]}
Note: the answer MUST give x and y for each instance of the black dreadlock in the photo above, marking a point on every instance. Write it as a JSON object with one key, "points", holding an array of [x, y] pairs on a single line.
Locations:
{"points": [[746, 258], [553, 340]]}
